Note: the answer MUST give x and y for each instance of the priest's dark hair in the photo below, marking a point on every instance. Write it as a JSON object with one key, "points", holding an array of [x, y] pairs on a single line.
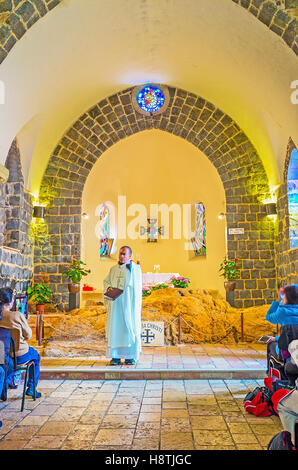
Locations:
{"points": [[128, 247]]}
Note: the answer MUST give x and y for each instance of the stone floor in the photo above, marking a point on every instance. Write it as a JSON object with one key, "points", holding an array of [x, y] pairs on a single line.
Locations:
{"points": [[243, 360], [188, 356], [136, 414]]}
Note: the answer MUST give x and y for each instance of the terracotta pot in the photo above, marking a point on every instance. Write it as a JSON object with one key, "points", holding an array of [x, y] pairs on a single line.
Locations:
{"points": [[74, 287], [230, 285], [39, 308]]}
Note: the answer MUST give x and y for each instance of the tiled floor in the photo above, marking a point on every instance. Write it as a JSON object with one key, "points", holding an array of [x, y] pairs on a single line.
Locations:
{"points": [[191, 357], [136, 414]]}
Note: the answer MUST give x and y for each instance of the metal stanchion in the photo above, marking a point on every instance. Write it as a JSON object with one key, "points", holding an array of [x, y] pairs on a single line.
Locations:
{"points": [[39, 328]]}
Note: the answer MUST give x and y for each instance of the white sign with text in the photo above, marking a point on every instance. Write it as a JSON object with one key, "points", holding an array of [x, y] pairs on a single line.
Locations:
{"points": [[153, 333]]}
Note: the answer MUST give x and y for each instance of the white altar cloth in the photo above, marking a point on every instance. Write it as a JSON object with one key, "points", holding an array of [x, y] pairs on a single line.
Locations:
{"points": [[150, 279]]}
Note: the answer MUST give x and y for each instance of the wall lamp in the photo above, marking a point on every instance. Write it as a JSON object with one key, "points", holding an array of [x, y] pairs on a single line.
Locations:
{"points": [[38, 212], [221, 216], [271, 208]]}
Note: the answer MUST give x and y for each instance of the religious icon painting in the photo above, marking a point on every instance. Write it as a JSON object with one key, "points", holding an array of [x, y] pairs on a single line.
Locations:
{"points": [[105, 247], [104, 232], [199, 239]]}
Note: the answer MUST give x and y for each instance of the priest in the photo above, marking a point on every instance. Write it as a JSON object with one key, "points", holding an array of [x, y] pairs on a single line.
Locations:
{"points": [[123, 325]]}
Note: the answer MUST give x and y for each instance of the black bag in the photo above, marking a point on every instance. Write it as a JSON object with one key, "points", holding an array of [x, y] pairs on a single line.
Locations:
{"points": [[278, 384], [276, 368], [281, 441]]}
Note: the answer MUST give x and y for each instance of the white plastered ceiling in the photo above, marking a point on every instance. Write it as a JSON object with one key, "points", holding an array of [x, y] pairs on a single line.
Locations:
{"points": [[85, 50]]}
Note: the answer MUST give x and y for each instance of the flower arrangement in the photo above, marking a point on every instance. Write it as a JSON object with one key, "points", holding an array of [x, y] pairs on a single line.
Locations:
{"points": [[40, 291], [180, 281], [146, 292], [229, 269]]}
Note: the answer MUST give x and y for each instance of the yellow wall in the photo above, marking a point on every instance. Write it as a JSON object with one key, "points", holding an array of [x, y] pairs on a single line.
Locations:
{"points": [[156, 167]]}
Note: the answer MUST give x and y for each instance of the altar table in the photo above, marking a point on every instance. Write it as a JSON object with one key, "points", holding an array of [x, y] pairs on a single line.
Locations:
{"points": [[151, 279]]}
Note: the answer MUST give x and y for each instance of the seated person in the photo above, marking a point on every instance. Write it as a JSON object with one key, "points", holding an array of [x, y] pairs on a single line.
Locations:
{"points": [[24, 353], [283, 311], [291, 367]]}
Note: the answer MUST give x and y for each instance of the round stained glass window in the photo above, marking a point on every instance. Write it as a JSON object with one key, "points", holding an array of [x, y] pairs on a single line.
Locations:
{"points": [[150, 99]]}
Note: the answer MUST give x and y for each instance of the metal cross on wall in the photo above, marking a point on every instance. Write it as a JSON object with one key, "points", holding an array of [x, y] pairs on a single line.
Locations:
{"points": [[152, 230]]}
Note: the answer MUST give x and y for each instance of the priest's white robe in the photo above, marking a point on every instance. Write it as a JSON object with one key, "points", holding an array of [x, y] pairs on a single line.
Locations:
{"points": [[123, 325]]}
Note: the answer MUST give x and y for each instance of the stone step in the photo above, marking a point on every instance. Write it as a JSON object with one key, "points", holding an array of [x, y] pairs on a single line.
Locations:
{"points": [[99, 373]]}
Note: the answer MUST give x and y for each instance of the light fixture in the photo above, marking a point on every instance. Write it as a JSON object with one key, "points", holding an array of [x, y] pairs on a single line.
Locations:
{"points": [[38, 212], [85, 216], [221, 216], [271, 208]]}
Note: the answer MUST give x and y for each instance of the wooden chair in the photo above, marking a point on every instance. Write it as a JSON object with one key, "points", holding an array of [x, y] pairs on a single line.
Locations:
{"points": [[25, 367]]}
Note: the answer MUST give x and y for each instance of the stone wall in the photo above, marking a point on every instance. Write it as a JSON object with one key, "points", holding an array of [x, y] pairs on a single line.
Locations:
{"points": [[206, 127], [17, 17], [286, 258], [16, 259]]}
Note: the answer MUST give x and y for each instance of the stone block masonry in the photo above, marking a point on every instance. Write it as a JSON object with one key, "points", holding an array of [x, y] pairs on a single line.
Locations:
{"points": [[210, 130], [16, 256]]}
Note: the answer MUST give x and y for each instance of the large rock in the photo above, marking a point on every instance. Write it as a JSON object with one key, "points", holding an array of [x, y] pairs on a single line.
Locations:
{"points": [[205, 317]]}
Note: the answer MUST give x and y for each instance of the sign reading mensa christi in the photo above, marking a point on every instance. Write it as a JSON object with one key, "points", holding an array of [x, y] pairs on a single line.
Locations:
{"points": [[153, 333]]}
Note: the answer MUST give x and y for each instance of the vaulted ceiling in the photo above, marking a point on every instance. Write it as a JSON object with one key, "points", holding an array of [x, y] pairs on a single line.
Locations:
{"points": [[83, 51]]}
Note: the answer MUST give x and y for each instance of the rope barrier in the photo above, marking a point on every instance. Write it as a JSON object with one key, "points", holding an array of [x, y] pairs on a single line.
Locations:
{"points": [[232, 329]]}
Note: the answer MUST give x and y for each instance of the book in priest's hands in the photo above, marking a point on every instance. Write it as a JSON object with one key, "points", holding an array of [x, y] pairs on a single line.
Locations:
{"points": [[112, 293]]}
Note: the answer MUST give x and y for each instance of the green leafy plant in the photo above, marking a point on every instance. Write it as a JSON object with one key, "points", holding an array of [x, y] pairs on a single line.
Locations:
{"points": [[40, 291], [159, 286], [228, 269], [180, 281], [76, 271]]}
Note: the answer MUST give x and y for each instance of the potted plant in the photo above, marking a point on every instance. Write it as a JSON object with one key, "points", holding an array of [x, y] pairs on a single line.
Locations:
{"points": [[74, 273], [180, 281], [229, 271], [41, 293]]}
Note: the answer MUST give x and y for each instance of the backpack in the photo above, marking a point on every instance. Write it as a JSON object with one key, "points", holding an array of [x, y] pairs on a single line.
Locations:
{"points": [[281, 441], [276, 368], [275, 384], [259, 403]]}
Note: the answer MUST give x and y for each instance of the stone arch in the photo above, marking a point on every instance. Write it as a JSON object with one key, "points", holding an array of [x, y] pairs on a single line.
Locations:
{"points": [[18, 17], [286, 258], [207, 128]]}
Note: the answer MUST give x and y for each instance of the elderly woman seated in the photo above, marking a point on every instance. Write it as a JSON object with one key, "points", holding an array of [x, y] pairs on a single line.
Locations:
{"points": [[24, 352], [284, 312]]}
